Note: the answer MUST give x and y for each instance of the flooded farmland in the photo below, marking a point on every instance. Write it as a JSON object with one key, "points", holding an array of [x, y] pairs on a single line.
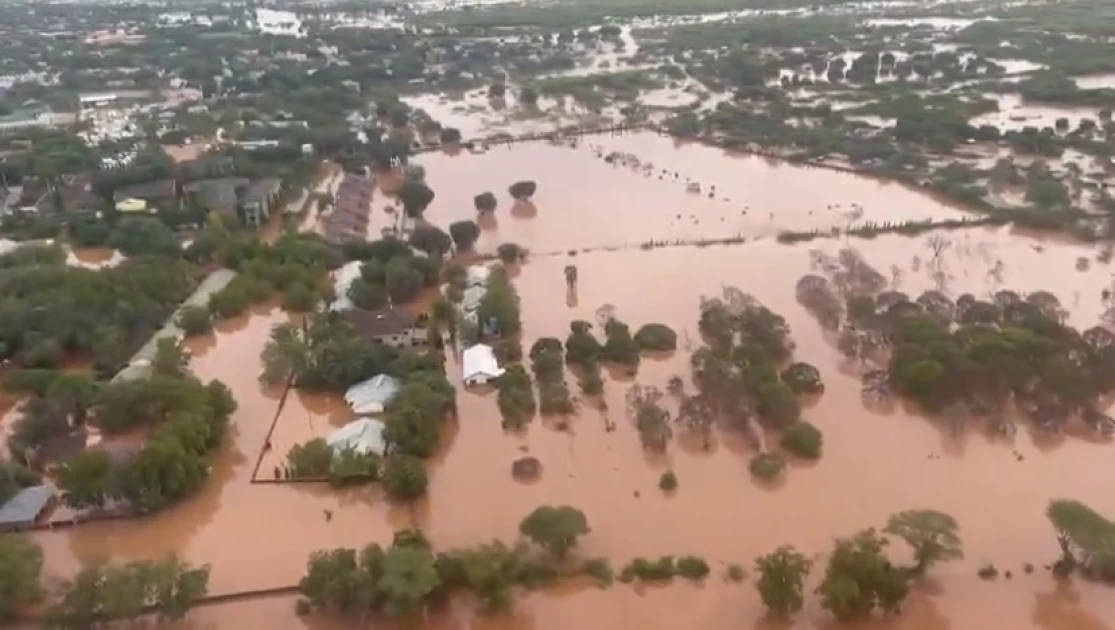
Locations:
{"points": [[258, 536]]}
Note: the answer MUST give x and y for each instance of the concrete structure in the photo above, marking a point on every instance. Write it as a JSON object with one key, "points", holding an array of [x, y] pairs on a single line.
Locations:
{"points": [[140, 364], [390, 325], [21, 511], [156, 193], [479, 365]]}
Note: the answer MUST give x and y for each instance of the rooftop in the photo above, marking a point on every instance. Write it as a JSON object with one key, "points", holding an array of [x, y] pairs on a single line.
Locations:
{"points": [[389, 320], [22, 509]]}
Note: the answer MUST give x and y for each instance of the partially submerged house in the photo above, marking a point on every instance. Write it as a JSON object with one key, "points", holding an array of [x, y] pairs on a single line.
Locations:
{"points": [[20, 512], [361, 436], [371, 396], [390, 325], [479, 365]]}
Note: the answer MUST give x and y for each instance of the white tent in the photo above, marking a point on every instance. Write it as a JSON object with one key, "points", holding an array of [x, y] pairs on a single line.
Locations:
{"points": [[362, 436], [479, 365], [370, 396]]}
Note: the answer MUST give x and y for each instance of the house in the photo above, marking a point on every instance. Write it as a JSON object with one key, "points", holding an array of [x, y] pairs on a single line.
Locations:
{"points": [[161, 192], [21, 511], [361, 436], [479, 365], [389, 325], [220, 195], [131, 206], [259, 199], [371, 396]]}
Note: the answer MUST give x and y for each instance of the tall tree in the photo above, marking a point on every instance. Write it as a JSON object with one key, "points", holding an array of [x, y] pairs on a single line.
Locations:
{"points": [[21, 565]]}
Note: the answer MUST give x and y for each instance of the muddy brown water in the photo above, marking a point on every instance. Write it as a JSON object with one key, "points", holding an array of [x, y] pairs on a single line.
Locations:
{"points": [[259, 536], [585, 202]]}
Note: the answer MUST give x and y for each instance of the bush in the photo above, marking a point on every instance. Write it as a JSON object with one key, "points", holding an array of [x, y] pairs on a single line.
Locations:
{"points": [[651, 570], [668, 482], [510, 253], [194, 320], [988, 572], [735, 573], [522, 190], [767, 466], [659, 337], [298, 298], [598, 568], [692, 567], [404, 477], [803, 439], [485, 202]]}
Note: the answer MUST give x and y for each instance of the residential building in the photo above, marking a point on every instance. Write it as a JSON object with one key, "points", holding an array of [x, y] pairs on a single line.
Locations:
{"points": [[260, 199], [217, 195], [161, 192], [390, 325], [479, 365], [21, 511]]}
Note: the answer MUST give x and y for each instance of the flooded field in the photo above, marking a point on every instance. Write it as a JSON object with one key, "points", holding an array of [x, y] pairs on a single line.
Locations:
{"points": [[583, 201], [258, 536]]}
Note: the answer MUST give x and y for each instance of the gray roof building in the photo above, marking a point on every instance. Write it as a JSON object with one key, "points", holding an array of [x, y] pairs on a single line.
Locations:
{"points": [[20, 512]]}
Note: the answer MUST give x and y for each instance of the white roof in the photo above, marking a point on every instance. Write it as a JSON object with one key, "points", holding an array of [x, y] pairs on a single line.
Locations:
{"points": [[342, 280], [362, 436], [478, 275], [370, 396], [480, 360]]}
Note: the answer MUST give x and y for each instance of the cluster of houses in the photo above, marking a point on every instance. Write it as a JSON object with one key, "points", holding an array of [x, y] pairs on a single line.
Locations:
{"points": [[352, 203]]}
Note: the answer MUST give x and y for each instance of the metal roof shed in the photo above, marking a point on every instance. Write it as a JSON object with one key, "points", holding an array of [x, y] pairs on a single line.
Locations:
{"points": [[20, 512]]}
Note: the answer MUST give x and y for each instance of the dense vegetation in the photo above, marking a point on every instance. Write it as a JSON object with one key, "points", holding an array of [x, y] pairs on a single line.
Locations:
{"points": [[969, 358]]}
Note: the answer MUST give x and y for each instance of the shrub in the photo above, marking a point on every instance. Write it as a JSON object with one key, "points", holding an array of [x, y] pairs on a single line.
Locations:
{"points": [[668, 482], [404, 477], [988, 572], [194, 320], [735, 573], [803, 439], [658, 337], [767, 466], [510, 253], [598, 568], [652, 570], [692, 567]]}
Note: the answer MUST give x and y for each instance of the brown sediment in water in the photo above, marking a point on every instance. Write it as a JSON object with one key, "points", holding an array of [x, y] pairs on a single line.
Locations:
{"points": [[259, 535]]}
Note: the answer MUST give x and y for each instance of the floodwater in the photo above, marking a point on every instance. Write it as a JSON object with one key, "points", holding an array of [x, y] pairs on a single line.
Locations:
{"points": [[585, 202], [1015, 114], [259, 535]]}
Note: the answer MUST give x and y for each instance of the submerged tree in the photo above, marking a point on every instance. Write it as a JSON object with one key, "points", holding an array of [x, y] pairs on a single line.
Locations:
{"points": [[522, 191], [21, 564], [696, 416], [781, 582], [555, 528], [1086, 538], [485, 202], [651, 419], [860, 578], [931, 534]]}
